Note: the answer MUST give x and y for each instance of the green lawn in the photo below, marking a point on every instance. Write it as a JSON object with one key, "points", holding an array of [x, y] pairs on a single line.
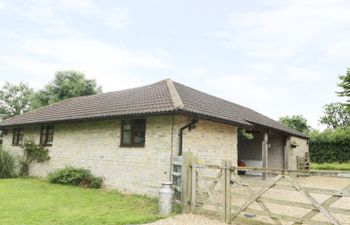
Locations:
{"points": [[331, 166], [33, 201]]}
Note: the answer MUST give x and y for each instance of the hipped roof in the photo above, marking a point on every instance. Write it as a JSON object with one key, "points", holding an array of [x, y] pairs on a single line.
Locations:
{"points": [[163, 97]]}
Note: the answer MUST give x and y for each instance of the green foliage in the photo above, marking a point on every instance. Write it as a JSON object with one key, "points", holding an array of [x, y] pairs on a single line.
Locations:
{"points": [[243, 132], [33, 201], [296, 122], [331, 166], [75, 176], [67, 84], [14, 99], [32, 152], [7, 164], [330, 146], [345, 85], [336, 115]]}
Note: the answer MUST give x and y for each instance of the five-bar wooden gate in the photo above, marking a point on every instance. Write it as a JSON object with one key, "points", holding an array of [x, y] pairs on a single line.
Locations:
{"points": [[219, 191]]}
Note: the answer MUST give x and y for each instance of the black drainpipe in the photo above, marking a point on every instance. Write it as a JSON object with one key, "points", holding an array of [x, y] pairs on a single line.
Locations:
{"points": [[190, 126]]}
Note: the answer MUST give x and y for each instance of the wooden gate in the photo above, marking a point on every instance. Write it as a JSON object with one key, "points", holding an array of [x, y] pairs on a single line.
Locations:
{"points": [[218, 190], [207, 194]]}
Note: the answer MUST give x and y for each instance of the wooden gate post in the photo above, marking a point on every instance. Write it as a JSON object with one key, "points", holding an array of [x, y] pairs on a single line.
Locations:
{"points": [[228, 176], [265, 153], [194, 187], [186, 181]]}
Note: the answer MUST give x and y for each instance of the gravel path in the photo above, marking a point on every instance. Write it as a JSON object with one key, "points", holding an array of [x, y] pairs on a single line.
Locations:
{"points": [[188, 219]]}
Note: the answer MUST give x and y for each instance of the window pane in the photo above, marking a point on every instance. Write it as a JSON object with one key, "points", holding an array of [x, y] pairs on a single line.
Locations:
{"points": [[49, 139], [127, 125], [50, 131], [43, 130], [20, 139], [43, 139], [14, 137], [139, 138], [46, 136], [126, 137], [139, 131]]}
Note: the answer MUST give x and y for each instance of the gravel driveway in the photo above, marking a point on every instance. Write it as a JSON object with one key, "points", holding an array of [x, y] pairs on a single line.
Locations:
{"points": [[187, 219]]}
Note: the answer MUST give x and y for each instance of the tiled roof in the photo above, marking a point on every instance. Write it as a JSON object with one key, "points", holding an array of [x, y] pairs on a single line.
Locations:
{"points": [[164, 97], [202, 103]]}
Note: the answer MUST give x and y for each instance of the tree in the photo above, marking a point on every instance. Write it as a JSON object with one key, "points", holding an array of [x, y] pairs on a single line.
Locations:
{"points": [[345, 85], [335, 115], [67, 84], [14, 99], [296, 122]]}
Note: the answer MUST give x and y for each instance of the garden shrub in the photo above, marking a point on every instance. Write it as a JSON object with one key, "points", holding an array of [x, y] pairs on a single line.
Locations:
{"points": [[330, 146], [75, 176], [7, 164], [32, 152]]}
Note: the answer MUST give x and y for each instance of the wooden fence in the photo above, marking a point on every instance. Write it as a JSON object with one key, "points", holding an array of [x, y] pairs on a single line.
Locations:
{"points": [[219, 191]]}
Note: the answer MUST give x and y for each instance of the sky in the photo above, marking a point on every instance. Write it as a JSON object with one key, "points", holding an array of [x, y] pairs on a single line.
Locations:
{"points": [[277, 57]]}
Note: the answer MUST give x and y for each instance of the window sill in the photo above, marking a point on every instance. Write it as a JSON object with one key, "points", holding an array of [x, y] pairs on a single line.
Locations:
{"points": [[18, 145], [132, 146]]}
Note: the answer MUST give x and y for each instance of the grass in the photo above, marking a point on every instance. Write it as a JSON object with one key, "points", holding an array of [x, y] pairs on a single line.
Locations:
{"points": [[34, 201], [331, 166]]}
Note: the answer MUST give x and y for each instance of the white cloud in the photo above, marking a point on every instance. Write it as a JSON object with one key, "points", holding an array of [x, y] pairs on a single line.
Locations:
{"points": [[288, 53], [272, 89], [54, 42], [81, 6], [295, 50], [55, 13], [290, 28], [116, 18], [2, 5], [113, 66], [195, 73]]}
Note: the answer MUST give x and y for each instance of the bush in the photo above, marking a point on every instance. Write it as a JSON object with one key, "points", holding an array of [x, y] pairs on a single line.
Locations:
{"points": [[330, 146], [7, 164], [75, 176]]}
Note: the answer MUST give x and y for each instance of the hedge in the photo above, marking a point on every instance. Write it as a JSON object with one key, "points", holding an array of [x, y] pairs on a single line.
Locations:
{"points": [[330, 146]]}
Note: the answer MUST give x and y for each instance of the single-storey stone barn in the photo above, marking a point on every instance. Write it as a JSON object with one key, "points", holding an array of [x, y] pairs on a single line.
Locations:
{"points": [[130, 137]]}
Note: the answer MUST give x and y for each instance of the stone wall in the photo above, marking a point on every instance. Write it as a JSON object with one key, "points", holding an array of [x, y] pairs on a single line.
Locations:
{"points": [[96, 145], [30, 132], [300, 150], [210, 142], [276, 149]]}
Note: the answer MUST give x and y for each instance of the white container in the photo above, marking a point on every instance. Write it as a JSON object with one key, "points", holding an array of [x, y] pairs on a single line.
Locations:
{"points": [[166, 194]]}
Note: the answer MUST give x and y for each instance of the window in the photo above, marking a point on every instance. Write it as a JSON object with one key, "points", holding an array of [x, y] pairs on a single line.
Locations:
{"points": [[133, 133], [1, 137], [17, 138], [46, 135]]}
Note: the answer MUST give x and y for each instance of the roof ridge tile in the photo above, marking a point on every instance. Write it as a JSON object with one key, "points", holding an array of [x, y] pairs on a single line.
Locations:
{"points": [[174, 95]]}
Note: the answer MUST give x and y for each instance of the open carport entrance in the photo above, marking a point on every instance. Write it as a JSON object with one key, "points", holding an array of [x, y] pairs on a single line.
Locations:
{"points": [[262, 149]]}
